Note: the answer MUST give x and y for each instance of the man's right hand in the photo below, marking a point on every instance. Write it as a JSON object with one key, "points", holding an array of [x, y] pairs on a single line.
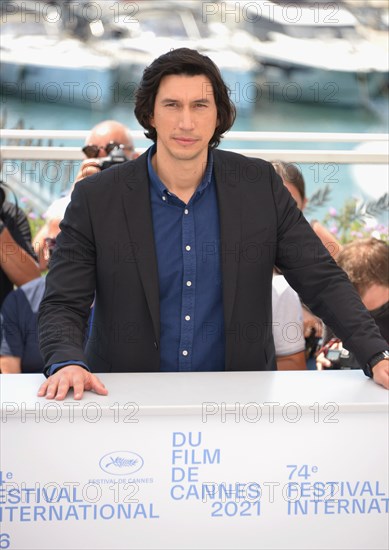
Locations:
{"points": [[71, 376], [89, 167]]}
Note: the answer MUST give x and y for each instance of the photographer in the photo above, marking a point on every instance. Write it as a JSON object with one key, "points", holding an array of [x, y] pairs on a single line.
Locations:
{"points": [[17, 263], [108, 143], [366, 263]]}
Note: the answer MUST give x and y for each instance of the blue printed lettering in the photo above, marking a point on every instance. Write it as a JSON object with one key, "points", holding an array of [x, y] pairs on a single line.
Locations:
{"points": [[179, 439]]}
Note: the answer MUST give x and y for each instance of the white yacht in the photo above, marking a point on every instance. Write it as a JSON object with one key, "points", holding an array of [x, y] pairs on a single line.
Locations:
{"points": [[309, 51], [158, 27], [40, 62]]}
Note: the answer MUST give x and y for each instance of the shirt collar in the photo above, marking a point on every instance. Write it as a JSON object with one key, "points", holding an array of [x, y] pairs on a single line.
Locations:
{"points": [[162, 189]]}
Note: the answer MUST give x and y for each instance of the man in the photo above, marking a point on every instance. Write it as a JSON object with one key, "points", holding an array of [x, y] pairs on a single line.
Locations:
{"points": [[19, 349], [17, 262], [179, 251], [100, 142]]}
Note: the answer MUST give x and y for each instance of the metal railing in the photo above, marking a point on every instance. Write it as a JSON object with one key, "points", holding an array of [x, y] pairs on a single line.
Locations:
{"points": [[17, 151], [42, 172]]}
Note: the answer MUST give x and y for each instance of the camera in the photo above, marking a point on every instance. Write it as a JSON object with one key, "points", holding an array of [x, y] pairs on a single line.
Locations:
{"points": [[116, 156], [340, 359]]}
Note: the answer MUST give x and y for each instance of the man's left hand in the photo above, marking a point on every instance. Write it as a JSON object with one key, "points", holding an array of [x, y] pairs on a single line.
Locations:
{"points": [[381, 373]]}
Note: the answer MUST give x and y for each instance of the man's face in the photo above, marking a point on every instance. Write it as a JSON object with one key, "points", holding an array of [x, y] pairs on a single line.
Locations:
{"points": [[185, 116]]}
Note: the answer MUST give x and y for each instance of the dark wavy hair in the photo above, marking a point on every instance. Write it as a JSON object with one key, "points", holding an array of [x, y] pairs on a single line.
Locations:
{"points": [[187, 62]]}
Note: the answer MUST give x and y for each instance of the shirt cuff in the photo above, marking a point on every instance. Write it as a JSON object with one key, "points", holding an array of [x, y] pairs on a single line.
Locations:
{"points": [[48, 371]]}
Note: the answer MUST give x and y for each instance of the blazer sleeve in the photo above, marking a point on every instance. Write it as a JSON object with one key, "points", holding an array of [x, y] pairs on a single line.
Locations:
{"points": [[70, 286]]}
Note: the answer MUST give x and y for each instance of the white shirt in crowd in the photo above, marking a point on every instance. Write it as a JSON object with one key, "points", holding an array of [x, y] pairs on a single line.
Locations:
{"points": [[288, 327]]}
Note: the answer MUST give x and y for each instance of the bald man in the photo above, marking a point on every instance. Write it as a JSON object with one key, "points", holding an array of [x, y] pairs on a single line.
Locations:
{"points": [[98, 144]]}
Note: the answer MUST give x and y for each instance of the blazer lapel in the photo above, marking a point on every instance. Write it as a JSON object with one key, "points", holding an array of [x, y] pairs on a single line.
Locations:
{"points": [[137, 208], [227, 180]]}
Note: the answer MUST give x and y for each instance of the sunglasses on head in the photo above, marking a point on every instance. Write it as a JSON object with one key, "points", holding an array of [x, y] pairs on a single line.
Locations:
{"points": [[92, 151]]}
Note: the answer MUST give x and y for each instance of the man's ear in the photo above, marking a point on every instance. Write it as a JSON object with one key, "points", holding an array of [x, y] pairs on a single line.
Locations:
{"points": [[151, 120]]}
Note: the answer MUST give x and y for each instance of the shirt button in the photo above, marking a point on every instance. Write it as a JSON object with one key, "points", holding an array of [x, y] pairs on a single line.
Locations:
{"points": [[186, 211], [187, 247], [188, 283], [187, 317], [184, 352], [163, 197]]}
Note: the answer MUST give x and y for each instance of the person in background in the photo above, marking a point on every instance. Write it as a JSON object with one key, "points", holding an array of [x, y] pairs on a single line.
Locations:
{"points": [[17, 259], [366, 263], [105, 138], [295, 183], [293, 180], [287, 325], [19, 349]]}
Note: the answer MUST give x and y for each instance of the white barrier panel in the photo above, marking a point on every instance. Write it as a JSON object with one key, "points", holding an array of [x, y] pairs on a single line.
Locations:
{"points": [[264, 460]]}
